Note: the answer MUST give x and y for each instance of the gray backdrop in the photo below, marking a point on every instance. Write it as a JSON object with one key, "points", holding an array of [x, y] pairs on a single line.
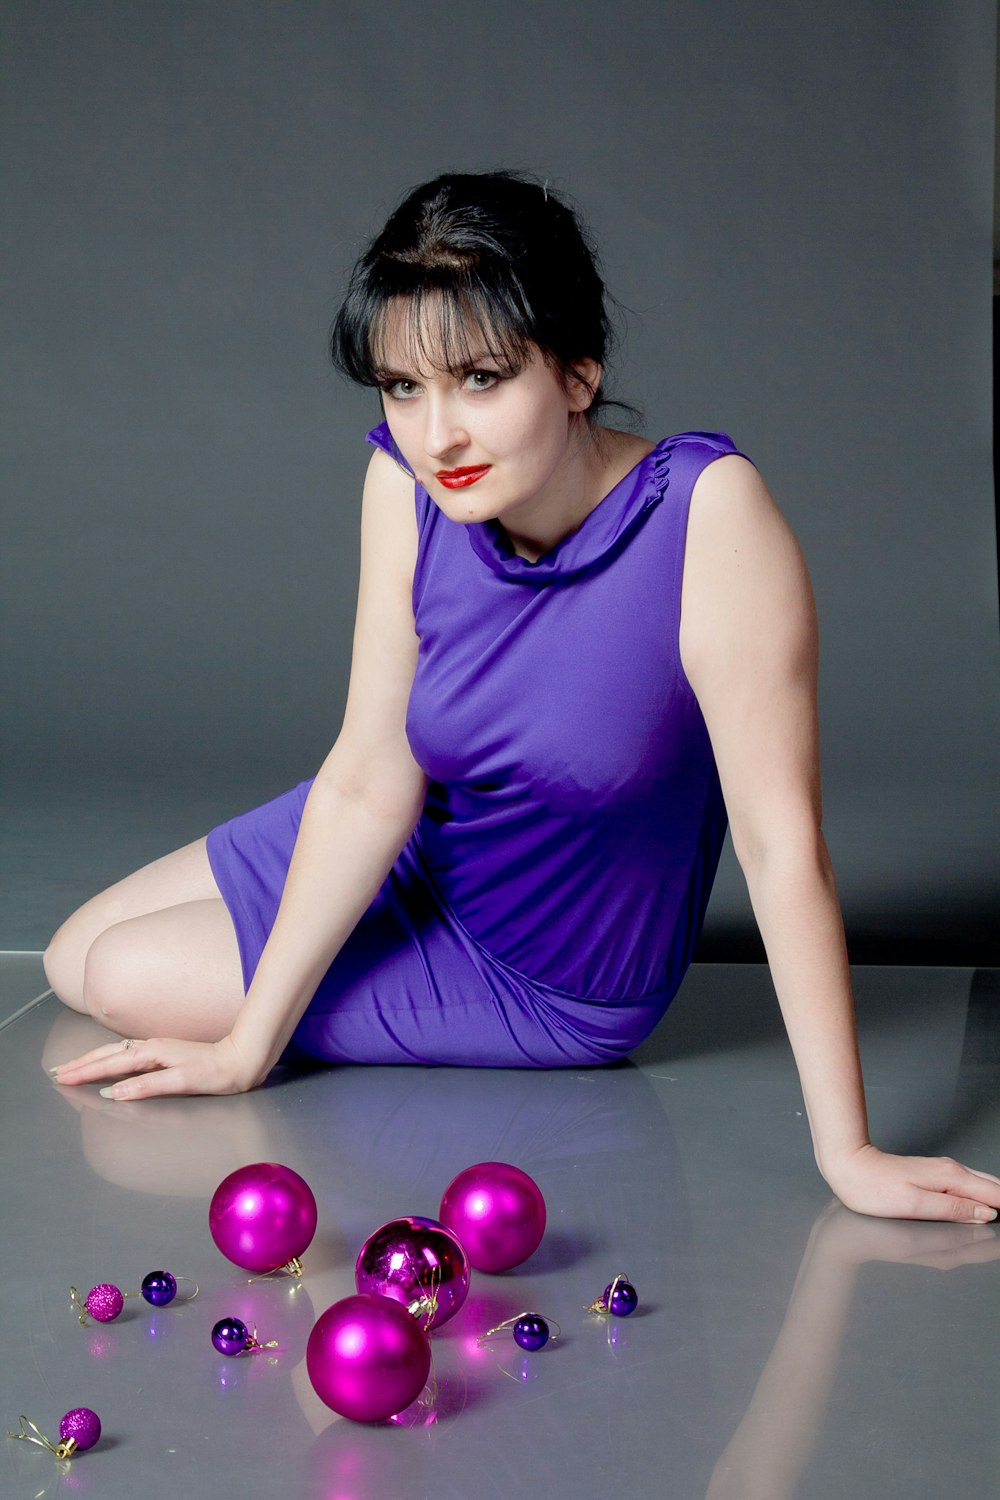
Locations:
{"points": [[793, 200]]}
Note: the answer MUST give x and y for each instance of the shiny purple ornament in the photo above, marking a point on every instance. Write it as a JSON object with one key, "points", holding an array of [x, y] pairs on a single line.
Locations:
{"points": [[104, 1303], [419, 1263], [531, 1332], [81, 1426], [367, 1357], [263, 1217], [230, 1336], [498, 1213], [620, 1298], [159, 1288]]}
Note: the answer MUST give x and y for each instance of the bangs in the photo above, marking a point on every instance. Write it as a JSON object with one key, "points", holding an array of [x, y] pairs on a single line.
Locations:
{"points": [[439, 325]]}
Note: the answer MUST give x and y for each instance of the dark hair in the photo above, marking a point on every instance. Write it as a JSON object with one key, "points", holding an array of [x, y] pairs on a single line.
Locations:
{"points": [[500, 254]]}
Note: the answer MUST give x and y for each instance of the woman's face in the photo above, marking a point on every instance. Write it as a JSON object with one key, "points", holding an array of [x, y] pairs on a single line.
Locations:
{"points": [[484, 445]]}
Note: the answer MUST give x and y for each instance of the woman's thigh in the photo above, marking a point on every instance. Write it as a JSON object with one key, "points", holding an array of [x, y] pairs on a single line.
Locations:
{"points": [[175, 880]]}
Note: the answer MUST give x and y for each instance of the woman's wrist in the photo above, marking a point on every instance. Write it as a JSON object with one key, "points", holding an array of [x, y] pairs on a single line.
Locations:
{"points": [[830, 1157], [251, 1061]]}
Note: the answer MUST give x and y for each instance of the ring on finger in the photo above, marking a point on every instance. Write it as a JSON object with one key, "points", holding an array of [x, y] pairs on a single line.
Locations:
{"points": [[128, 1044]]}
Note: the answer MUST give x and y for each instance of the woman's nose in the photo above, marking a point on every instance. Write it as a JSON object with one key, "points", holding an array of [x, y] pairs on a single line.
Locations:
{"points": [[443, 432]]}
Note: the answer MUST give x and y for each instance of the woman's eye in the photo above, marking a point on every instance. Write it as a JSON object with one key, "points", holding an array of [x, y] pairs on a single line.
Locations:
{"points": [[481, 380], [401, 390]]}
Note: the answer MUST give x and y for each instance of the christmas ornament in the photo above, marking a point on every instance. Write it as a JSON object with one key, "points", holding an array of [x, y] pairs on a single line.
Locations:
{"points": [[263, 1217], [619, 1298], [498, 1213], [79, 1430], [419, 1263], [530, 1331], [367, 1357], [159, 1288], [231, 1336], [105, 1301]]}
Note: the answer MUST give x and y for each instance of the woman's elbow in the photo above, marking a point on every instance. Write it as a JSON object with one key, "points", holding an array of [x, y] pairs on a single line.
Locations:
{"points": [[791, 843]]}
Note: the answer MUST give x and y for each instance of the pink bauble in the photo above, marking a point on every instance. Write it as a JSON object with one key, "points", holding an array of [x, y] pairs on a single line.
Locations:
{"points": [[81, 1426], [497, 1212], [419, 1263], [104, 1302], [262, 1216], [367, 1357]]}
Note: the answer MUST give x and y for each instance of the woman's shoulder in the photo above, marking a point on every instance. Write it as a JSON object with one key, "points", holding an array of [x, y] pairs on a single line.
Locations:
{"points": [[381, 438], [711, 443]]}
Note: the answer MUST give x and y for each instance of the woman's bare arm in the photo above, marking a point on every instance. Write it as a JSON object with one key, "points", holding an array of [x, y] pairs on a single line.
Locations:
{"points": [[749, 648], [360, 812]]}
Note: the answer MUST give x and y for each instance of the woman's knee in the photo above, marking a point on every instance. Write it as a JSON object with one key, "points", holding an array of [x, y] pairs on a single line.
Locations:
{"points": [[63, 961], [114, 982]]}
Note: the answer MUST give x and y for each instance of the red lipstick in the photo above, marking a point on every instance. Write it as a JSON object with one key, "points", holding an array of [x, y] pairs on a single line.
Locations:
{"points": [[460, 479]]}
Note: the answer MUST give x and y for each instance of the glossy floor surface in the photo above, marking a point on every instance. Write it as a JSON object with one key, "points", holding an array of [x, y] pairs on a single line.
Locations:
{"points": [[782, 1348]]}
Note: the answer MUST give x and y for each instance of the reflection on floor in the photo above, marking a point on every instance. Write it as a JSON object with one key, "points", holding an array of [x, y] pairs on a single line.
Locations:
{"points": [[783, 1347]]}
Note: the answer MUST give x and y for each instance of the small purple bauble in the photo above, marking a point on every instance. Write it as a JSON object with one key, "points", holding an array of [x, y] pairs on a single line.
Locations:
{"points": [[159, 1288], [367, 1357], [531, 1332], [498, 1213], [82, 1425], [621, 1299], [418, 1262], [230, 1336], [104, 1302], [262, 1216]]}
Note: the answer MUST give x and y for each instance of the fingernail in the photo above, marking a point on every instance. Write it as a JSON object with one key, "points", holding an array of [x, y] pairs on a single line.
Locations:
{"points": [[111, 1092], [54, 1072], [984, 1215]]}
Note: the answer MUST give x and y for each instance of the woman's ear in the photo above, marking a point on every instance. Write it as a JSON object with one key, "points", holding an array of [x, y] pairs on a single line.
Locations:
{"points": [[584, 380]]}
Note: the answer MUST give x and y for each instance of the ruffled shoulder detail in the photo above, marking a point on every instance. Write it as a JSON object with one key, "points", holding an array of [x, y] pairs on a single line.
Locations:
{"points": [[381, 437], [604, 531], [599, 536]]}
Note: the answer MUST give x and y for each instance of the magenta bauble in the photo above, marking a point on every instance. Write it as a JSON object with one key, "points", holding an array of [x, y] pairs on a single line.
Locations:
{"points": [[367, 1357], [497, 1212], [81, 1426], [420, 1264], [262, 1216]]}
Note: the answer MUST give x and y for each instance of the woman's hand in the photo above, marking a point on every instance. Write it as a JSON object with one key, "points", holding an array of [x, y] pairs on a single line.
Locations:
{"points": [[163, 1065], [913, 1187]]}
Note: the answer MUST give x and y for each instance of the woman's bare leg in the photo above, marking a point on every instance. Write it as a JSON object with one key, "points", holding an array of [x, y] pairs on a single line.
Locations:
{"points": [[153, 955]]}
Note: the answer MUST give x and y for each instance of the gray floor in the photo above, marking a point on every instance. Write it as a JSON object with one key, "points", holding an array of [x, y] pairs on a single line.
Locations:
{"points": [[783, 1347]]}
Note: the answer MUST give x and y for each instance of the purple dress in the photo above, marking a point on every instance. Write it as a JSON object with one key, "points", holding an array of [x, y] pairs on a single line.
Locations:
{"points": [[545, 909]]}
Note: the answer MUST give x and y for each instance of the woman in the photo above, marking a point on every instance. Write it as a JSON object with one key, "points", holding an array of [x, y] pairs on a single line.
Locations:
{"points": [[571, 645]]}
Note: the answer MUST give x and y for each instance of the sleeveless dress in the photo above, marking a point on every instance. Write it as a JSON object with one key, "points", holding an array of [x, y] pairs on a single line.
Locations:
{"points": [[544, 911]]}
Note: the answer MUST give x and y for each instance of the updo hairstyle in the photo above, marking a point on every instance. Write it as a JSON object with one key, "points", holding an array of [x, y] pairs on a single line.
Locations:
{"points": [[505, 264]]}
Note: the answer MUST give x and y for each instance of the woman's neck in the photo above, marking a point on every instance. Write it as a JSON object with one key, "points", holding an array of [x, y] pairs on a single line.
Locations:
{"points": [[602, 461]]}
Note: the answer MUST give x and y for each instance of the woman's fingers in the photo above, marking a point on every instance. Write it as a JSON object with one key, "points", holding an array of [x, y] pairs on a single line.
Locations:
{"points": [[952, 1208], [917, 1187], [987, 1175], [160, 1066], [164, 1080], [103, 1062], [973, 1190]]}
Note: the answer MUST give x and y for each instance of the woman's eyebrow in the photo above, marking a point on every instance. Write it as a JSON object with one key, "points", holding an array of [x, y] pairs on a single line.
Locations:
{"points": [[476, 361]]}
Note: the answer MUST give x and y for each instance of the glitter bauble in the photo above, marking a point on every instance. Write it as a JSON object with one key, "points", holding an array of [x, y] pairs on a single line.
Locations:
{"points": [[104, 1302], [81, 1425]]}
